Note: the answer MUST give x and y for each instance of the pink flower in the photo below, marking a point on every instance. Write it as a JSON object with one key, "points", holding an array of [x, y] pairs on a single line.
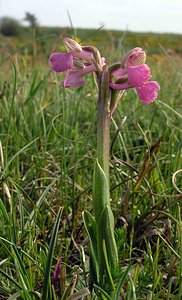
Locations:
{"points": [[61, 62], [71, 63], [137, 77], [74, 78]]}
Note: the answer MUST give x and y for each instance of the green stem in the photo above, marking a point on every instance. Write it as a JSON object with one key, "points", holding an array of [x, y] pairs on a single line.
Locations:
{"points": [[103, 125], [101, 188]]}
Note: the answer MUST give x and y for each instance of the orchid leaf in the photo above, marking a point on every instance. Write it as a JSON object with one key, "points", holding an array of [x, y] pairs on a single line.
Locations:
{"points": [[106, 234], [100, 190]]}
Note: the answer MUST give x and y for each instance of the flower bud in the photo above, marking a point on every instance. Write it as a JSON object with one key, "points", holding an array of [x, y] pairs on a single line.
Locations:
{"points": [[72, 45], [134, 57], [56, 273]]}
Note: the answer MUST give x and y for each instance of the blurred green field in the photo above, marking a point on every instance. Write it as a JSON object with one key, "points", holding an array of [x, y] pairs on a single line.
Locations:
{"points": [[47, 153]]}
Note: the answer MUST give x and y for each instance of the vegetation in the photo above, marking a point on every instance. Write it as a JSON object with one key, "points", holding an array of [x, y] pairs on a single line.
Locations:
{"points": [[47, 153], [9, 26], [31, 19]]}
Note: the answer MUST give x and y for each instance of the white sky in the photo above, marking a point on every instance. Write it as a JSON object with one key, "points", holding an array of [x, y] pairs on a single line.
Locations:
{"points": [[134, 15]]}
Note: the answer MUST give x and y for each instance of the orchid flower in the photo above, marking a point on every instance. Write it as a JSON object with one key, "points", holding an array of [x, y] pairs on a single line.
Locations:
{"points": [[134, 73], [71, 62]]}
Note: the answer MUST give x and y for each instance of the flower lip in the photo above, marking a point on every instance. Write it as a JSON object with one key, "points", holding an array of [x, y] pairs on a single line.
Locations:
{"points": [[148, 92], [74, 78]]}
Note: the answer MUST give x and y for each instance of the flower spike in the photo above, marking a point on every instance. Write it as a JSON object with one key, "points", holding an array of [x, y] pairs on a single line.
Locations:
{"points": [[131, 72]]}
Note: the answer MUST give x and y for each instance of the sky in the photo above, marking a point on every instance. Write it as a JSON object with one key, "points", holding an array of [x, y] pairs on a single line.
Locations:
{"points": [[163, 16]]}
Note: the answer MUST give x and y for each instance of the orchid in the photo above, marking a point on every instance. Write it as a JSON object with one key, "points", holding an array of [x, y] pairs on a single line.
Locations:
{"points": [[130, 72], [138, 77], [133, 72], [72, 63]]}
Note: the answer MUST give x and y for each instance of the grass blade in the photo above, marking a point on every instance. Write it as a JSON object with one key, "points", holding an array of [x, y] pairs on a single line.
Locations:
{"points": [[103, 293], [121, 282], [10, 279], [50, 255], [41, 199]]}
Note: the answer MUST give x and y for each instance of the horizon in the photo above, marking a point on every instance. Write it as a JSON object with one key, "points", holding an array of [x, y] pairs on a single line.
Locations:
{"points": [[92, 28], [158, 16]]}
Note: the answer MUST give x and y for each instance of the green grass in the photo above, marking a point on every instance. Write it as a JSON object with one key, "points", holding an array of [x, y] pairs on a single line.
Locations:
{"points": [[47, 153]]}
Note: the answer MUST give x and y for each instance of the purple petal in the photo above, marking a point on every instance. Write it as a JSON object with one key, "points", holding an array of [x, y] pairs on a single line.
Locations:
{"points": [[138, 75], [61, 62], [148, 92], [74, 78]]}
